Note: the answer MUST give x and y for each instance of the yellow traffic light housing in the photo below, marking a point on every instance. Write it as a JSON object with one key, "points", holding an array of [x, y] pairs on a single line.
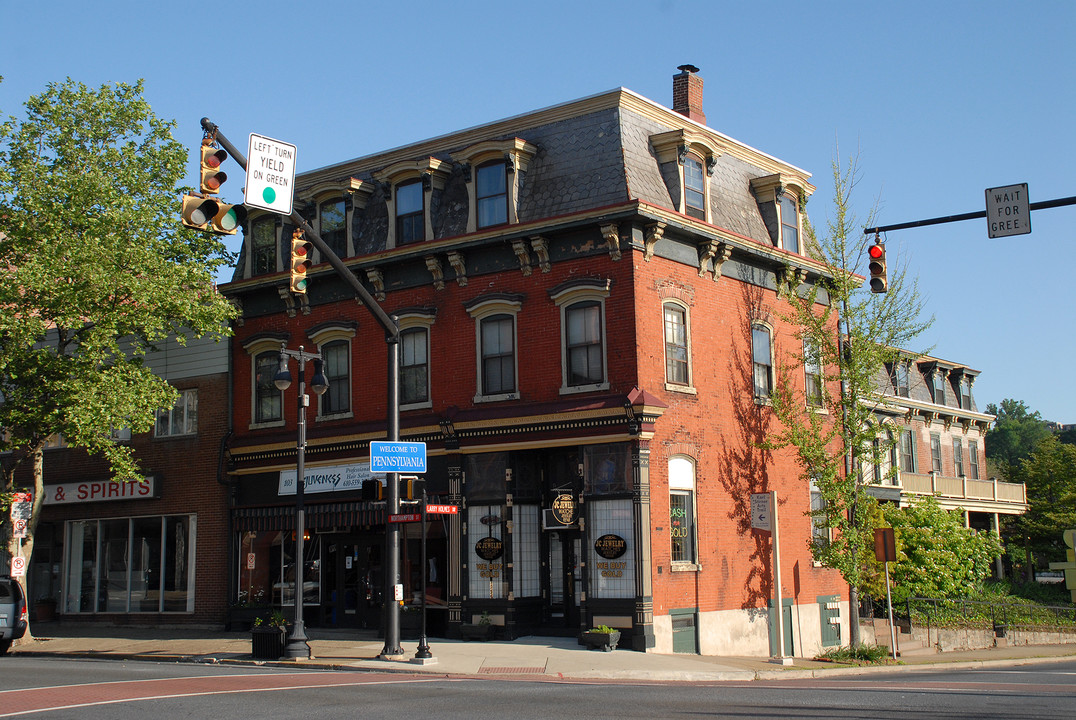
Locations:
{"points": [[212, 177], [228, 218], [198, 212], [300, 261]]}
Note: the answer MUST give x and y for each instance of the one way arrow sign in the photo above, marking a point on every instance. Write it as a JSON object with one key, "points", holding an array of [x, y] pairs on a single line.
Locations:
{"points": [[760, 512]]}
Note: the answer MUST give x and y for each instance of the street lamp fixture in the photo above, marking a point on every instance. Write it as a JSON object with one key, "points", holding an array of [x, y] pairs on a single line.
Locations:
{"points": [[298, 647]]}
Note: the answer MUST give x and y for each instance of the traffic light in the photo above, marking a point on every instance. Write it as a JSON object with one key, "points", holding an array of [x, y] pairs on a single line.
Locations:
{"points": [[411, 487], [198, 212], [212, 176], [228, 218], [300, 261], [879, 281], [372, 490]]}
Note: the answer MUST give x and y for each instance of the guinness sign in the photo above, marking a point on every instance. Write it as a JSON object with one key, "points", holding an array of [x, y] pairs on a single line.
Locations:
{"points": [[489, 548], [564, 509]]}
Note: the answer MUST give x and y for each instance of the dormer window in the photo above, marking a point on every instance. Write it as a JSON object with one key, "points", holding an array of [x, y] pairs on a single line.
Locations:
{"points": [[778, 197], [263, 246], [790, 223], [410, 220], [412, 188], [496, 169], [491, 194], [694, 188], [332, 218], [695, 156]]}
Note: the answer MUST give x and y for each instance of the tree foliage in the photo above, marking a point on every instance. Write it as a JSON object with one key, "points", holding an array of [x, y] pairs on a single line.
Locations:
{"points": [[96, 271], [835, 435], [1049, 474], [1015, 434], [938, 556]]}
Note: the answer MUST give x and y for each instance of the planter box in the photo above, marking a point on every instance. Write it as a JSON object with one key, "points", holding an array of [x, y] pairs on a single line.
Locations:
{"points": [[267, 643], [476, 631], [600, 640]]}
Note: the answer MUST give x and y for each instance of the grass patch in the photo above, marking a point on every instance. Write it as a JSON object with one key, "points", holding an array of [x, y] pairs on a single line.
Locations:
{"points": [[861, 654]]}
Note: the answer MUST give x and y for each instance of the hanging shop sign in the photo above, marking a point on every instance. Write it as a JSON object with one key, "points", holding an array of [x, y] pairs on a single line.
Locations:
{"points": [[489, 548], [102, 491], [564, 509], [328, 478], [610, 546]]}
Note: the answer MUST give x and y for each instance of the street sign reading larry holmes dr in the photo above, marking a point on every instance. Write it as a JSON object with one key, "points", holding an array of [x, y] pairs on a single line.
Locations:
{"points": [[407, 457]]}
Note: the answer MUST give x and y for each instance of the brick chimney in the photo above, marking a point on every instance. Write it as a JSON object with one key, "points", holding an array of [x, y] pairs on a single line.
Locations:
{"points": [[687, 93]]}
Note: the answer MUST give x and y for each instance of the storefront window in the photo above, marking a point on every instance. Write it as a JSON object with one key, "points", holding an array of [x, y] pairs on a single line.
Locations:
{"points": [[607, 468], [486, 554], [612, 555], [525, 551], [119, 565], [267, 568]]}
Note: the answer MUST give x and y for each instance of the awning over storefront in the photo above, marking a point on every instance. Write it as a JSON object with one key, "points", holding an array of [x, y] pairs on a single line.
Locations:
{"points": [[320, 516]]}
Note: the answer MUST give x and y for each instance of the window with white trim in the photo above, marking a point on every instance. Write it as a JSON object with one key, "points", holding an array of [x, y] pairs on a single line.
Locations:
{"points": [[582, 318], [973, 459], [694, 188], [414, 366], [682, 530], [181, 418], [495, 343], [790, 222], [762, 360], [958, 457], [268, 399], [935, 452], [812, 372], [907, 451], [491, 194], [336, 359], [333, 340], [820, 530], [677, 350]]}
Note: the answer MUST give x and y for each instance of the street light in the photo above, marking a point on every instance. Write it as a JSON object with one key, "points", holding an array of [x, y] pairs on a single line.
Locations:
{"points": [[297, 646]]}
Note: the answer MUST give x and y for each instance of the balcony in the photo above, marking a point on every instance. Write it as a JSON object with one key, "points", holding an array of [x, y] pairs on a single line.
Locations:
{"points": [[972, 495]]}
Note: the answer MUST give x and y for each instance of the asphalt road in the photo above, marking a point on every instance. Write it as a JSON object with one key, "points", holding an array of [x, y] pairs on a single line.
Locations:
{"points": [[63, 688]]}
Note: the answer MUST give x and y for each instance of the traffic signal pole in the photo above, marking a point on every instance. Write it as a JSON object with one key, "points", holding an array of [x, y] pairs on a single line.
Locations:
{"points": [[1044, 205], [392, 647]]}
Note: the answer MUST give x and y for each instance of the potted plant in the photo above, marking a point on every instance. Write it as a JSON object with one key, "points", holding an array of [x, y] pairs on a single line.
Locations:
{"points": [[267, 636], [481, 630], [45, 609], [602, 637]]}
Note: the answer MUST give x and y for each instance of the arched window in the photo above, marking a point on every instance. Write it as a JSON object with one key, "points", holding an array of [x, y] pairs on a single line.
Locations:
{"points": [[682, 509]]}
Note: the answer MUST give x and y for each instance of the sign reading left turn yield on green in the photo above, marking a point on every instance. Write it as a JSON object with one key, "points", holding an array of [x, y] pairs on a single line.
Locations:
{"points": [[270, 175]]}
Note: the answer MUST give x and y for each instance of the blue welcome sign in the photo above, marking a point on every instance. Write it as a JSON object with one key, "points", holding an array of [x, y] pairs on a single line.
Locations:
{"points": [[405, 457]]}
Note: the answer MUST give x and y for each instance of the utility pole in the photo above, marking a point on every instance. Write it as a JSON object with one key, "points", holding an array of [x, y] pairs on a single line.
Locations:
{"points": [[392, 647]]}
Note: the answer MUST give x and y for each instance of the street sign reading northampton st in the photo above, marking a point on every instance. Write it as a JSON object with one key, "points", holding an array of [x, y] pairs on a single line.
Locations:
{"points": [[270, 175]]}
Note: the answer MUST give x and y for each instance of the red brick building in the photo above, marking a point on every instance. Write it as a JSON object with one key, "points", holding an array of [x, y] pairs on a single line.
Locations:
{"points": [[152, 552], [590, 325]]}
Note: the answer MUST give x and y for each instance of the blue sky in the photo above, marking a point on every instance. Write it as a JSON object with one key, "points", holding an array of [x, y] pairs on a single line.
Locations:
{"points": [[940, 101]]}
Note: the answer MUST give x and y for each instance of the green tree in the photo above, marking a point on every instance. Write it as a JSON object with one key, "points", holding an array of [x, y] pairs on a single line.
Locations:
{"points": [[940, 557], [830, 444], [96, 269], [1049, 474], [1015, 434]]}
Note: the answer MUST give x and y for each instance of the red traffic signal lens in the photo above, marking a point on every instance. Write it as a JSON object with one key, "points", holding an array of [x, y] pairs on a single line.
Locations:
{"points": [[876, 251], [299, 250]]}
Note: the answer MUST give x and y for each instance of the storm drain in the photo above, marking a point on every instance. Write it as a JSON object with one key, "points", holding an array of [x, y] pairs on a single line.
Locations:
{"points": [[506, 670]]}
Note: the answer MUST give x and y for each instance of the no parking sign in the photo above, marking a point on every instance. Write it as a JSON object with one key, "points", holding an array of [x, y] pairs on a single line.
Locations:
{"points": [[18, 566]]}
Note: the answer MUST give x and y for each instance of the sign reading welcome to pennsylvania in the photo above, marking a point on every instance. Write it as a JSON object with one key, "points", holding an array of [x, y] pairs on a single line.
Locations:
{"points": [[397, 456], [328, 478]]}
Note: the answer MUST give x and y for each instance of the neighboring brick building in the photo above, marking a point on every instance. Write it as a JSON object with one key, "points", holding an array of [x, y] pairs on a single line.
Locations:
{"points": [[152, 553], [590, 323], [939, 443]]}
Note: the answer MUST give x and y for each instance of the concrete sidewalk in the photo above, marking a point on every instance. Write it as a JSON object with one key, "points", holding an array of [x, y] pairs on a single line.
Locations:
{"points": [[532, 658]]}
